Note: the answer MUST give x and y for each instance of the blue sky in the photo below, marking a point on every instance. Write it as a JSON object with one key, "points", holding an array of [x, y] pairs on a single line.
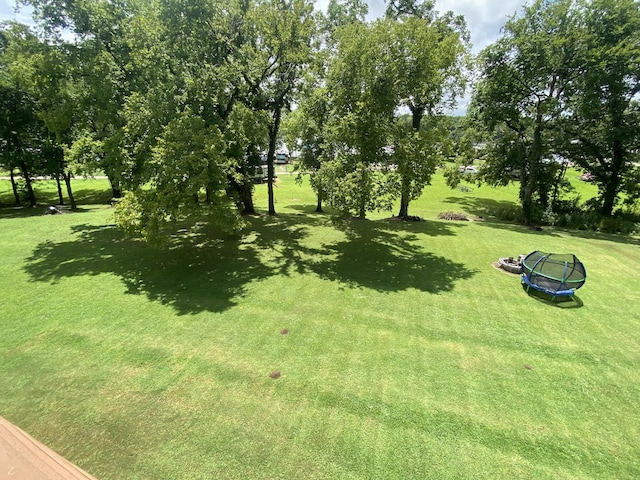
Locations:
{"points": [[484, 18], [7, 12]]}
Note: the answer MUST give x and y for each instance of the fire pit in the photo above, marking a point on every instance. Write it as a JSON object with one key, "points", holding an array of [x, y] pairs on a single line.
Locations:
{"points": [[510, 264]]}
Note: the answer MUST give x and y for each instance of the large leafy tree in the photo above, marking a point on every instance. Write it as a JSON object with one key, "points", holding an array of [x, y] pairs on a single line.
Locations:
{"points": [[21, 134], [28, 141], [178, 115], [524, 76], [276, 48], [413, 60], [98, 61], [307, 126], [360, 81], [601, 128], [430, 56]]}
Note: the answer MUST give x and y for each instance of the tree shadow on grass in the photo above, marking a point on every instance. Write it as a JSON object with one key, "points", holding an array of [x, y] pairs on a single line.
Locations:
{"points": [[381, 255], [189, 274], [85, 192], [201, 270], [21, 211], [37, 211], [483, 206]]}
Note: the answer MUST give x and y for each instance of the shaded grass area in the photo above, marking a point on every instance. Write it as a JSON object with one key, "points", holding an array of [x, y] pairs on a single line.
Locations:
{"points": [[86, 192], [407, 355]]}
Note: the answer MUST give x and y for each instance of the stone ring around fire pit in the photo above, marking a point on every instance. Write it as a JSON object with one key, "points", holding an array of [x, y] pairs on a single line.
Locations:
{"points": [[511, 264]]}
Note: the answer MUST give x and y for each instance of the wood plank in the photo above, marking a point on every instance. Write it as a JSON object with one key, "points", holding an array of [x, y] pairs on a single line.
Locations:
{"points": [[22, 457]]}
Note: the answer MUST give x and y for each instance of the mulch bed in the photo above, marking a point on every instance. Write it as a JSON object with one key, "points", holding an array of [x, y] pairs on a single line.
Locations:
{"points": [[453, 216]]}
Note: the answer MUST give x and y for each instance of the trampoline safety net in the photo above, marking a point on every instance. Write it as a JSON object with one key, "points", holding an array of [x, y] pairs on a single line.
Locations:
{"points": [[553, 273]]}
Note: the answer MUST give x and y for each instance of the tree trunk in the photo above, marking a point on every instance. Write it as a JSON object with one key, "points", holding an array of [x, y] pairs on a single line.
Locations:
{"points": [[16, 194], [241, 192], [362, 207], [67, 181], [556, 186], [609, 197], [533, 160], [416, 120], [273, 136], [60, 198], [527, 204], [116, 192], [612, 185], [246, 197], [404, 204], [27, 179], [319, 203]]}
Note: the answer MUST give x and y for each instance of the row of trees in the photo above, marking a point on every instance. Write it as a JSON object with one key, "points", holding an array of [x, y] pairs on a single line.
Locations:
{"points": [[175, 99], [360, 153], [563, 82]]}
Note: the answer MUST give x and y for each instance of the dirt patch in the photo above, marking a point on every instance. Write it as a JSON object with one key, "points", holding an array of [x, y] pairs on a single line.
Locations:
{"points": [[275, 374], [496, 265]]}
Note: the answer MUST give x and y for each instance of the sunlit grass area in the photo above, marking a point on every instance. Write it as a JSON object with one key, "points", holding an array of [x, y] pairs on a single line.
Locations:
{"points": [[399, 351]]}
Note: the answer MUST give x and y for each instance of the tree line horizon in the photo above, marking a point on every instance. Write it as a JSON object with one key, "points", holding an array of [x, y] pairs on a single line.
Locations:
{"points": [[174, 101]]}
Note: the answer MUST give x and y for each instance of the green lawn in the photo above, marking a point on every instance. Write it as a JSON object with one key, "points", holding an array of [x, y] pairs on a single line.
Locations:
{"points": [[407, 355]]}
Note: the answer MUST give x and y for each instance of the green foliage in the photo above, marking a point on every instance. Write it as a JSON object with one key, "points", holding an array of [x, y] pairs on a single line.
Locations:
{"points": [[355, 189], [188, 157], [416, 154], [178, 99], [603, 112], [520, 96], [136, 214], [344, 12], [562, 80], [362, 103]]}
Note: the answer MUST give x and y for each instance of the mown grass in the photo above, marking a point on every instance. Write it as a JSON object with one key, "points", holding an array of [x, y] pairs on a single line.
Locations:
{"points": [[406, 354]]}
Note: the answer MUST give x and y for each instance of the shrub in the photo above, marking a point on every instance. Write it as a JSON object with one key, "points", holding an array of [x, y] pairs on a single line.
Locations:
{"points": [[509, 213]]}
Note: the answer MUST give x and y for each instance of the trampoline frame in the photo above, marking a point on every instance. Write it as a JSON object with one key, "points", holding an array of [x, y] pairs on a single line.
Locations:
{"points": [[556, 287]]}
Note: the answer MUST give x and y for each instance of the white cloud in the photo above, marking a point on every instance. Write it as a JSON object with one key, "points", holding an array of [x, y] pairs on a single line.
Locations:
{"points": [[8, 12], [484, 18]]}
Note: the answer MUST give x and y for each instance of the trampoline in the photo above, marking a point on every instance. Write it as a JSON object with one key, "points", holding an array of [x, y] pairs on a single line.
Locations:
{"points": [[557, 275]]}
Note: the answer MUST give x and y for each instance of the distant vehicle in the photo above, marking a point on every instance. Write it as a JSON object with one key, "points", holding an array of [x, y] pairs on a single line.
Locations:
{"points": [[514, 173], [282, 157], [587, 177], [468, 169], [258, 174], [554, 158]]}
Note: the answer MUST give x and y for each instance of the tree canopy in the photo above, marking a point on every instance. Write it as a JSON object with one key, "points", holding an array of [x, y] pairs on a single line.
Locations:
{"points": [[178, 101], [562, 81]]}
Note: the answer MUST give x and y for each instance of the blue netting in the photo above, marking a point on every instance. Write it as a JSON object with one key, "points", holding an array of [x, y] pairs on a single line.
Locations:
{"points": [[553, 273]]}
